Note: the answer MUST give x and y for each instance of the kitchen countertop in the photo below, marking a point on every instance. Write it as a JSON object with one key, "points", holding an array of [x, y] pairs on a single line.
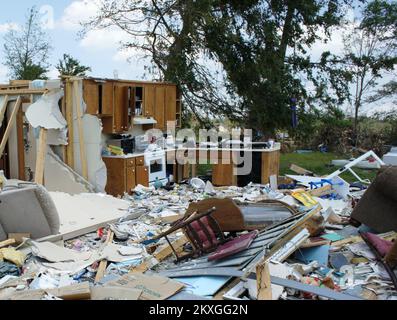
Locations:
{"points": [[142, 153]]}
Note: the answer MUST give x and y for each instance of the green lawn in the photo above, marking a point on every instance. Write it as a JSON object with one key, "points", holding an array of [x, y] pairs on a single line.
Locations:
{"points": [[319, 163]]}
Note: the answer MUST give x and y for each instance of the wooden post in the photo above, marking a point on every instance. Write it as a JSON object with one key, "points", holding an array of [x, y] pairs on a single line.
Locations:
{"points": [[263, 281], [104, 263], [10, 125], [41, 155], [79, 113], [21, 146], [69, 120]]}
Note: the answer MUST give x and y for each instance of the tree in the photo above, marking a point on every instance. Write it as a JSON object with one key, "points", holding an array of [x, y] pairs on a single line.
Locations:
{"points": [[370, 52], [261, 49], [69, 66], [27, 50]]}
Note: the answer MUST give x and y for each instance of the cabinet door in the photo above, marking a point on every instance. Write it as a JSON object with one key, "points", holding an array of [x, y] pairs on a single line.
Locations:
{"points": [[159, 108], [107, 98], [142, 176], [149, 101], [170, 104], [91, 96], [131, 178], [121, 103], [116, 182]]}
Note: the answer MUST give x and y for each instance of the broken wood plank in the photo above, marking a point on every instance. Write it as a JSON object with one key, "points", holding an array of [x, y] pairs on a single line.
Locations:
{"points": [[7, 243], [41, 155], [300, 170], [104, 263], [10, 125], [263, 281], [356, 239], [319, 192], [162, 254], [79, 113]]}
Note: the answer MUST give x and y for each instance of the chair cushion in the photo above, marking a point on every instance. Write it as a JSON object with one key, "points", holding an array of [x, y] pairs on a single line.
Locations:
{"points": [[28, 209]]}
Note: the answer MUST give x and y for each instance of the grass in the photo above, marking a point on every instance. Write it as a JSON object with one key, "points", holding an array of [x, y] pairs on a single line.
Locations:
{"points": [[320, 164], [317, 162]]}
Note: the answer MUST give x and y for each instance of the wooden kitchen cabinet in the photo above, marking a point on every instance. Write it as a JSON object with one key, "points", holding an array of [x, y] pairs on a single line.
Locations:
{"points": [[121, 121], [142, 176], [98, 97], [170, 103], [131, 178], [149, 100], [159, 110], [124, 175]]}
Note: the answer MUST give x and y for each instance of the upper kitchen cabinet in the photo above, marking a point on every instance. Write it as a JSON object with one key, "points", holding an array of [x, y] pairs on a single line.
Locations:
{"points": [[170, 103], [149, 100], [98, 95], [122, 115], [159, 110]]}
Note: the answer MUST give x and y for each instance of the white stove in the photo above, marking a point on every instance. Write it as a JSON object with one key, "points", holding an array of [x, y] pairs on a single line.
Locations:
{"points": [[156, 162]]}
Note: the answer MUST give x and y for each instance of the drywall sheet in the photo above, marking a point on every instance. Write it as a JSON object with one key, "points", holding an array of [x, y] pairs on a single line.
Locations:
{"points": [[45, 112], [86, 211], [59, 177], [97, 172]]}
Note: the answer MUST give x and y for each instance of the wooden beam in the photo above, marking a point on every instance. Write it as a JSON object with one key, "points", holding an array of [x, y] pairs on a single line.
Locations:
{"points": [[40, 159], [69, 120], [79, 113], [10, 125], [263, 281], [18, 92], [104, 263]]}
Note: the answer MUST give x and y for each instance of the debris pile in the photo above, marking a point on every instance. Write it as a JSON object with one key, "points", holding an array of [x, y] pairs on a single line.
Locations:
{"points": [[195, 241]]}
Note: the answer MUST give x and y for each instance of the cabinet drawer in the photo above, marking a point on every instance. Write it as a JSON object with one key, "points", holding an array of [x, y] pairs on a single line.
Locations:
{"points": [[140, 161], [130, 162]]}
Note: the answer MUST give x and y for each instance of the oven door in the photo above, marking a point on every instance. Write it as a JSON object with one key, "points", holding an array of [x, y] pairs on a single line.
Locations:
{"points": [[157, 168]]}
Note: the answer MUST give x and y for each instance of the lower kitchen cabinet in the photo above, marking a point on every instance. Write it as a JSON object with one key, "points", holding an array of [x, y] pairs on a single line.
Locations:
{"points": [[142, 176], [124, 175]]}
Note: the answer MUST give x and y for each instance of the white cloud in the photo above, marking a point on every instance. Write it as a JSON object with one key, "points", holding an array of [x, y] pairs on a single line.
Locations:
{"points": [[77, 12], [8, 26], [110, 38]]}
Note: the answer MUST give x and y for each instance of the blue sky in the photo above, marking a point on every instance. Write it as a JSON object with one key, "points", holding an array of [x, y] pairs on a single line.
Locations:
{"points": [[99, 50]]}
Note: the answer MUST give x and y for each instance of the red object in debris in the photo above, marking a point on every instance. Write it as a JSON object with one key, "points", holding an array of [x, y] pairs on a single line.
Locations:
{"points": [[207, 242], [100, 233], [383, 246], [233, 246]]}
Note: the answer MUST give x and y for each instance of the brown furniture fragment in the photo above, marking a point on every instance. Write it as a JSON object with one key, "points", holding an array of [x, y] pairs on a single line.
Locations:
{"points": [[377, 208]]}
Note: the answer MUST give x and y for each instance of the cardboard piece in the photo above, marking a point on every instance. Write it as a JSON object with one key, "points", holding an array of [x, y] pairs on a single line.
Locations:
{"points": [[153, 287], [19, 237], [115, 293], [80, 291]]}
